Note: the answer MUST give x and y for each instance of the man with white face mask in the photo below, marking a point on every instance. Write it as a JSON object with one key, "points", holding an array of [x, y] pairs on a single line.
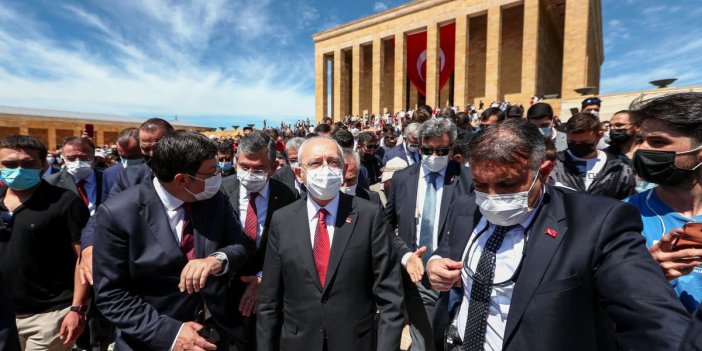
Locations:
{"points": [[165, 252], [351, 178], [255, 197], [80, 175], [418, 203], [529, 266], [329, 267]]}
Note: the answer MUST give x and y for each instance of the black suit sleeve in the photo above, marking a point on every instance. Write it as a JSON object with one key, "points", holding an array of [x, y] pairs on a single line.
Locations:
{"points": [[269, 314], [129, 312], [632, 288], [387, 286], [391, 218]]}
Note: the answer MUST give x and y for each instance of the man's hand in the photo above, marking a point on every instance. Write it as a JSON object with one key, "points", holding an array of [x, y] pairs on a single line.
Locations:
{"points": [[415, 265], [444, 273], [189, 339], [86, 266], [71, 328], [675, 263], [249, 301], [195, 274]]}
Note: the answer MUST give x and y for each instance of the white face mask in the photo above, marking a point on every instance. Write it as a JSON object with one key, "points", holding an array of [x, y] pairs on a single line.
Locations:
{"points": [[51, 160], [595, 113], [546, 131], [324, 182], [435, 163], [80, 169], [212, 185], [505, 209], [252, 182], [349, 190], [412, 147]]}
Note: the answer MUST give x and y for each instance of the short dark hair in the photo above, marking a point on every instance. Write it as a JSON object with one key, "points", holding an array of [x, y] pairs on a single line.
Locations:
{"points": [[461, 147], [181, 152], [366, 137], [422, 114], [156, 124], [344, 138], [388, 128], [681, 110], [225, 148], [128, 134], [510, 142], [257, 141], [24, 143], [248, 128], [492, 111], [322, 128], [633, 119], [80, 141], [539, 111], [583, 122], [448, 112], [463, 119], [514, 111]]}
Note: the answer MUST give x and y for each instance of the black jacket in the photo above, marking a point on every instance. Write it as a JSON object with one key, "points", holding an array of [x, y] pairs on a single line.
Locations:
{"points": [[616, 179]]}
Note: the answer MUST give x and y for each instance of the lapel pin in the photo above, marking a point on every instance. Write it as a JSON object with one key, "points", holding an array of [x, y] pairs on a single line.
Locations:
{"points": [[551, 232], [348, 219]]}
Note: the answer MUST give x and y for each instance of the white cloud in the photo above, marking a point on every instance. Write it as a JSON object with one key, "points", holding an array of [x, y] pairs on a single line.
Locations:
{"points": [[380, 7]]}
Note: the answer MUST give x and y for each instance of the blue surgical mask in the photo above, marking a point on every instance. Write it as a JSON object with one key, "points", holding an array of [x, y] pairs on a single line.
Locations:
{"points": [[21, 178], [131, 163], [225, 166]]}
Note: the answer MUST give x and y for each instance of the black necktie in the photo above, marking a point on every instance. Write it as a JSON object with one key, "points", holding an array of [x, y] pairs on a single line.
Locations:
{"points": [[476, 325]]}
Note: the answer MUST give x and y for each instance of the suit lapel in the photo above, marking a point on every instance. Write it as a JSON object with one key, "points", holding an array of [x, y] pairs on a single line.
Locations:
{"points": [[68, 182], [301, 229], [154, 213], [201, 225], [342, 233], [540, 250], [411, 196], [447, 192]]}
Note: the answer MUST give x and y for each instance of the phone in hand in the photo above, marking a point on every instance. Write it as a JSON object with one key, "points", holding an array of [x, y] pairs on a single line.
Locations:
{"points": [[691, 237]]}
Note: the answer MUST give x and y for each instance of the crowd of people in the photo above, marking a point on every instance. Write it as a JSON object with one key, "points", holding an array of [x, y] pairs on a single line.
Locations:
{"points": [[494, 228]]}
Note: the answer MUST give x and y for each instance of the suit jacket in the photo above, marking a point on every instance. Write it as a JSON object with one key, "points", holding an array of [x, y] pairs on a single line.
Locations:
{"points": [[296, 313], [109, 177], [137, 264], [573, 284], [366, 194], [397, 151], [286, 176], [402, 202], [65, 180], [693, 336], [131, 176]]}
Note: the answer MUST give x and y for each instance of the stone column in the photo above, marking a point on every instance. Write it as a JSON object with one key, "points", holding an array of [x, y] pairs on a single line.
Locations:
{"points": [[575, 58], [433, 68], [52, 138], [24, 130], [493, 54], [378, 68], [357, 66], [341, 84], [100, 137], [530, 48], [460, 76], [400, 72], [320, 85]]}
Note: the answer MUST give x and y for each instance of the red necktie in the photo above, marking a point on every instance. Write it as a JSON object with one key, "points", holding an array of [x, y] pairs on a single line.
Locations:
{"points": [[82, 193], [321, 246], [251, 224], [187, 239]]}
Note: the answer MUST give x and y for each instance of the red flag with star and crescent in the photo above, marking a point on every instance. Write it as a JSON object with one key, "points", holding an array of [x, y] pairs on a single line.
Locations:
{"points": [[417, 57]]}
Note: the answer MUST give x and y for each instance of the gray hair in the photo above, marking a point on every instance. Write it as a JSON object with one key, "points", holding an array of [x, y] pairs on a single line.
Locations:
{"points": [[412, 129], [509, 143], [294, 144], [354, 154], [256, 141], [436, 127], [339, 149]]}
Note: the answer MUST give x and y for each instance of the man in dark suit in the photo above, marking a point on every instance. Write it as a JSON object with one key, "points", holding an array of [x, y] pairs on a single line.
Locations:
{"points": [[285, 174], [130, 156], [418, 204], [352, 176], [80, 175], [536, 267], [329, 267], [162, 265], [408, 150], [254, 198]]}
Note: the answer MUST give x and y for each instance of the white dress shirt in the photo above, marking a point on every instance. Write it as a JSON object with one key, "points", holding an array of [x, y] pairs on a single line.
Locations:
{"points": [[261, 207], [509, 255], [312, 217], [421, 191], [90, 188]]}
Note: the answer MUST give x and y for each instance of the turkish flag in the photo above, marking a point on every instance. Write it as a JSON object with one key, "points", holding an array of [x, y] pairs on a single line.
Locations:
{"points": [[417, 57]]}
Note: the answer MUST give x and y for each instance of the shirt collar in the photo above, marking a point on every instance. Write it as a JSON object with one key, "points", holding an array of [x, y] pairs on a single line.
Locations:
{"points": [[169, 201], [425, 171], [313, 207], [262, 194]]}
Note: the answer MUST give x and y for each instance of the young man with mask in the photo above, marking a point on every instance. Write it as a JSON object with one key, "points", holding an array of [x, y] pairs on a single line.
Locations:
{"points": [[255, 197], [352, 176], [367, 148], [80, 175], [670, 155], [408, 150], [130, 156], [592, 106], [584, 168], [162, 265], [226, 161], [329, 267], [40, 228], [53, 164], [622, 135], [541, 115], [533, 267], [419, 201]]}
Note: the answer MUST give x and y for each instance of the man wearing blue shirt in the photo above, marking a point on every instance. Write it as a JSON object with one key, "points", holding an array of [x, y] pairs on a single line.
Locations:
{"points": [[670, 155]]}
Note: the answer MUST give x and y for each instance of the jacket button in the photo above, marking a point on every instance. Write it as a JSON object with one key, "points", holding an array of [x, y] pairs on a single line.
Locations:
{"points": [[324, 301]]}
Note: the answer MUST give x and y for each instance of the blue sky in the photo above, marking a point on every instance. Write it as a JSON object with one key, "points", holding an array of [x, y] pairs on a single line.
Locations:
{"points": [[225, 62]]}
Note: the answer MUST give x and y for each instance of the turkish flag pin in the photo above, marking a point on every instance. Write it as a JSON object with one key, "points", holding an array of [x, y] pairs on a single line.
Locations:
{"points": [[348, 219], [551, 232]]}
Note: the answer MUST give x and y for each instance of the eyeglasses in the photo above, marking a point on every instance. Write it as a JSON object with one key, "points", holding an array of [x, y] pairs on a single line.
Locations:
{"points": [[317, 164], [251, 170], [85, 158], [6, 221], [440, 151]]}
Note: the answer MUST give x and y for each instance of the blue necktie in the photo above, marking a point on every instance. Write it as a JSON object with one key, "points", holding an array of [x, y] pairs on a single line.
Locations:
{"points": [[426, 233]]}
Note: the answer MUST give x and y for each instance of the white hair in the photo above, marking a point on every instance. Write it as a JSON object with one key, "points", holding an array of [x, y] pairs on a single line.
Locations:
{"points": [[340, 151]]}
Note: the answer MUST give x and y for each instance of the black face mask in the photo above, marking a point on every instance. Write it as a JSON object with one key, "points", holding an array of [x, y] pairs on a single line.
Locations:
{"points": [[581, 150], [659, 167], [619, 136]]}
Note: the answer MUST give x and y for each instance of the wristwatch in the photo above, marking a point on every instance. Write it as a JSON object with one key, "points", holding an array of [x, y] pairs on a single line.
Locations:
{"points": [[80, 309], [221, 257]]}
